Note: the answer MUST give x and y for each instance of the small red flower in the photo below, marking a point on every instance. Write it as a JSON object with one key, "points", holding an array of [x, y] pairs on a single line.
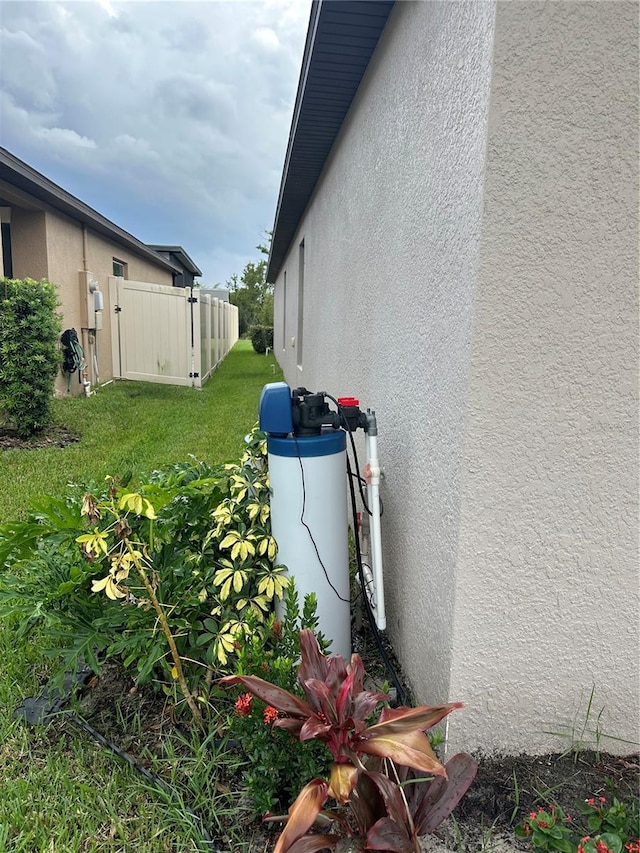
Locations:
{"points": [[569, 818], [270, 715], [243, 705], [533, 815], [603, 799], [543, 824], [590, 801], [601, 847], [580, 848], [633, 846], [527, 829]]}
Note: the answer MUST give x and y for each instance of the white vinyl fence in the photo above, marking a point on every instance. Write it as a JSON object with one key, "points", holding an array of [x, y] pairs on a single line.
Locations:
{"points": [[168, 334]]}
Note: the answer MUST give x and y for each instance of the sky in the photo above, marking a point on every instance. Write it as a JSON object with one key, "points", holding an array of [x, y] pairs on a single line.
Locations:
{"points": [[169, 117]]}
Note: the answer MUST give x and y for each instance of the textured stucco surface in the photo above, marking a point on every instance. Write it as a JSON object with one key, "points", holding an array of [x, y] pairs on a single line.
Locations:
{"points": [[547, 572], [391, 245], [64, 251], [28, 244], [471, 273]]}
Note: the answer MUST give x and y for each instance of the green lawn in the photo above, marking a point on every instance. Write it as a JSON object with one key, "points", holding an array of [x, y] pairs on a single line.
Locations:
{"points": [[59, 791], [138, 426]]}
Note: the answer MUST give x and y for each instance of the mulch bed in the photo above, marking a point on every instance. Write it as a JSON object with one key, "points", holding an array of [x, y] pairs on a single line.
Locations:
{"points": [[505, 790], [55, 436]]}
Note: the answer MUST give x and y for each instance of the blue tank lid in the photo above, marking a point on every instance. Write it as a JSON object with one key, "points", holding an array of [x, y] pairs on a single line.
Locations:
{"points": [[325, 444], [275, 409]]}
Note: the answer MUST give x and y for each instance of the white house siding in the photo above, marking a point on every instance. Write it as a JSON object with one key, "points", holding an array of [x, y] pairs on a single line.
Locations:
{"points": [[391, 253], [547, 571], [471, 273]]}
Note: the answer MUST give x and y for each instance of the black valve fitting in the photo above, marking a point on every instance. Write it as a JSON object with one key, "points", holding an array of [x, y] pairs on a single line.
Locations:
{"points": [[310, 412]]}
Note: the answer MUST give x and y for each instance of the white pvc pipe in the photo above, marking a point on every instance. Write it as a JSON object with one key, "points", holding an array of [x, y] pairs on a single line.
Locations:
{"points": [[373, 496]]}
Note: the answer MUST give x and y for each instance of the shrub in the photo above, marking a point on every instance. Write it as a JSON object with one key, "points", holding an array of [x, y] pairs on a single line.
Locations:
{"points": [[385, 776], [262, 338], [597, 827], [29, 356], [275, 762], [88, 568]]}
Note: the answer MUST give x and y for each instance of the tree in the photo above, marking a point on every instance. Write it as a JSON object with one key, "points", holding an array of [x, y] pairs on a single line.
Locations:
{"points": [[251, 293]]}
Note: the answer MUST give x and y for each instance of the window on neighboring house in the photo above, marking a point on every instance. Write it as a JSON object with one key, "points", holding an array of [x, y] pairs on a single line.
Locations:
{"points": [[119, 268], [299, 341], [6, 267], [284, 310]]}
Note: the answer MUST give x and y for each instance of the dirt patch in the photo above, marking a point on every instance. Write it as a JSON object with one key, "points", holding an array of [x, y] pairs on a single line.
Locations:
{"points": [[55, 436], [507, 788]]}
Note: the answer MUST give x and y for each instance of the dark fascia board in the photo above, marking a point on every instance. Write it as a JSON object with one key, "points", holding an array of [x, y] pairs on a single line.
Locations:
{"points": [[17, 173], [180, 254], [341, 39]]}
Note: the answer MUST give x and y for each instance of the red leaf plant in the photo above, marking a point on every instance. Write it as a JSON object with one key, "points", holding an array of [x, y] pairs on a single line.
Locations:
{"points": [[379, 770]]}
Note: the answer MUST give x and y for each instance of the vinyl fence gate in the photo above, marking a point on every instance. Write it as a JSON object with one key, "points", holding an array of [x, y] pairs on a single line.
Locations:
{"points": [[173, 335]]}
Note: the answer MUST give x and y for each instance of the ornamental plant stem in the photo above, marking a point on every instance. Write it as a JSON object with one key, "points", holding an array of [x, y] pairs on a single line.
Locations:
{"points": [[166, 630]]}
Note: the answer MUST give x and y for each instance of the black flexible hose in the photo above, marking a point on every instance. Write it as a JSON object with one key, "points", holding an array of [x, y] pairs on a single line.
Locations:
{"points": [[156, 781], [393, 675]]}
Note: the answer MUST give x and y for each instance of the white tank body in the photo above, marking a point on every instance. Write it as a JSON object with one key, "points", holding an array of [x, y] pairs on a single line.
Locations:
{"points": [[308, 483]]}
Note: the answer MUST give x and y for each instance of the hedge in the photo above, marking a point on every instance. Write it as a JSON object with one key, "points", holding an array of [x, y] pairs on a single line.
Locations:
{"points": [[29, 354], [262, 338]]}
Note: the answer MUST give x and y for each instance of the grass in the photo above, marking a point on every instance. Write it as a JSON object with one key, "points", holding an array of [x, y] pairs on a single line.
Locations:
{"points": [[136, 426], [59, 791]]}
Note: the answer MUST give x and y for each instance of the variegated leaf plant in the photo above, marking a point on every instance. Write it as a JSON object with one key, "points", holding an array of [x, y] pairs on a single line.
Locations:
{"points": [[371, 762]]}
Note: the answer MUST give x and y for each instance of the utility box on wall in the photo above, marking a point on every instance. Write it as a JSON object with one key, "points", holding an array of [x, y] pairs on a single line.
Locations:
{"points": [[91, 301]]}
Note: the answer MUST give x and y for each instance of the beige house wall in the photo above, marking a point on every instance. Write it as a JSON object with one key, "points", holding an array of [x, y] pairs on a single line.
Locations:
{"points": [[28, 244], [65, 251], [547, 573], [391, 252], [471, 272]]}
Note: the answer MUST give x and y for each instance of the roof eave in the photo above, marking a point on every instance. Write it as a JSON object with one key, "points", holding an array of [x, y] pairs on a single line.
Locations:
{"points": [[180, 253], [341, 39], [27, 179]]}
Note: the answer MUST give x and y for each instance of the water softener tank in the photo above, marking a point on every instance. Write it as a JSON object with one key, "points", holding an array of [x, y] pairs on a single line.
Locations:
{"points": [[308, 483]]}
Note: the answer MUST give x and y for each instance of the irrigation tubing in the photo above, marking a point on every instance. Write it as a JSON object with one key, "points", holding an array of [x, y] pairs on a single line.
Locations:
{"points": [[156, 781]]}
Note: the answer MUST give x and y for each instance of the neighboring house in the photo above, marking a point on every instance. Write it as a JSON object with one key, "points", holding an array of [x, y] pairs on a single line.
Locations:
{"points": [[455, 244], [216, 293], [48, 233], [180, 259]]}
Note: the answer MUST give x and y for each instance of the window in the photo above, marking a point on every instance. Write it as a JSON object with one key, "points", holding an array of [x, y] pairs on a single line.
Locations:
{"points": [[300, 305], [119, 268], [284, 311], [6, 261]]}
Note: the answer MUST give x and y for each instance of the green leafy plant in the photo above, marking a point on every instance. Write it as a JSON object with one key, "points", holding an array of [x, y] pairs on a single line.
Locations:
{"points": [[94, 570], [261, 338], [275, 762], [372, 763], [29, 356], [611, 817], [549, 829], [603, 828]]}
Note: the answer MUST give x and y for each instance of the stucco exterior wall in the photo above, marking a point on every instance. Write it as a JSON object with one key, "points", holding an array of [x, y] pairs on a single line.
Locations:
{"points": [[547, 572], [471, 272], [64, 251], [391, 252], [28, 244], [64, 246]]}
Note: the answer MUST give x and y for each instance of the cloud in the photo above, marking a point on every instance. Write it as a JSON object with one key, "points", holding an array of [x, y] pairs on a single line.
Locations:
{"points": [[62, 137], [171, 118], [266, 38]]}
